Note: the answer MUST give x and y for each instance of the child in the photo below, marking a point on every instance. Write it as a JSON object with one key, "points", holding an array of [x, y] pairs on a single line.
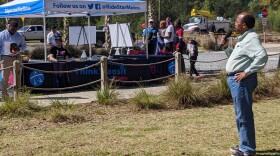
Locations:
{"points": [[192, 51]]}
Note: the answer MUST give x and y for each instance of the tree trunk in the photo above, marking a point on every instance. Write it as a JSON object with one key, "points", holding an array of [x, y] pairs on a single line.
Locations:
{"points": [[152, 10], [108, 20], [66, 30]]}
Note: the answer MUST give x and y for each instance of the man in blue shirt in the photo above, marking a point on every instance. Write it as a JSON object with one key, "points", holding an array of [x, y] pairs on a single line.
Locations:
{"points": [[11, 43], [150, 35]]}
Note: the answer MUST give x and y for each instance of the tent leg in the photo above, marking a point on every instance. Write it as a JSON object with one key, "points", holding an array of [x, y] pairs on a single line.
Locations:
{"points": [[89, 35], [45, 36], [146, 29]]}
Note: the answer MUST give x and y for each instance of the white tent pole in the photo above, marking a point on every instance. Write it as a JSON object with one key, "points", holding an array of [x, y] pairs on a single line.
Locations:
{"points": [[146, 39], [117, 34], [89, 36], [45, 36]]}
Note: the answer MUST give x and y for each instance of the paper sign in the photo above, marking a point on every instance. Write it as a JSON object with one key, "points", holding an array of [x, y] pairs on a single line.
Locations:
{"points": [[7, 48]]}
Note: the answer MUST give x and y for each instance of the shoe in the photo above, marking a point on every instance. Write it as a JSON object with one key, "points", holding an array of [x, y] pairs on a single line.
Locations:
{"points": [[234, 149], [236, 152]]}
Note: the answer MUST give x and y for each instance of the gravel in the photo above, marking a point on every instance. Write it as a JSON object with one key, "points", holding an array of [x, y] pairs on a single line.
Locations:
{"points": [[216, 67]]}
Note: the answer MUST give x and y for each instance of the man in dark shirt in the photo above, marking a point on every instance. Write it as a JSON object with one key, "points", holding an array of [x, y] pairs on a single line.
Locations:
{"points": [[58, 51], [212, 28]]}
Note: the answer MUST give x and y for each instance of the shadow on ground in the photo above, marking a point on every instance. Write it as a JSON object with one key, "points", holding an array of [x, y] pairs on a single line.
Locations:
{"points": [[272, 152]]}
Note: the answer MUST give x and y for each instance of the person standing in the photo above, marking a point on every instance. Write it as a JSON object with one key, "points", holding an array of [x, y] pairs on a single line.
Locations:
{"points": [[161, 31], [247, 57], [150, 36], [179, 37], [11, 43], [169, 36], [212, 28], [52, 35], [192, 51], [57, 56]]}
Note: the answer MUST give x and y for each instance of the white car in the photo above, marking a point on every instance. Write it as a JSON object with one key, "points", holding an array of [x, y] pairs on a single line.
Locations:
{"points": [[33, 32], [191, 28]]}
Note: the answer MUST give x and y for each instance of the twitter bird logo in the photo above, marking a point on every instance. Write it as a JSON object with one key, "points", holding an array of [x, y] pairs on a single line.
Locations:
{"points": [[90, 6]]}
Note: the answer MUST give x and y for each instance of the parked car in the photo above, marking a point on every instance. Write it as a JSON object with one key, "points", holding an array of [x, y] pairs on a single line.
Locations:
{"points": [[33, 32]]}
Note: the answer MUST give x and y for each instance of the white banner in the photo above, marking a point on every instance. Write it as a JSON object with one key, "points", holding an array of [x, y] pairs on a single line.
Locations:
{"points": [[74, 6]]}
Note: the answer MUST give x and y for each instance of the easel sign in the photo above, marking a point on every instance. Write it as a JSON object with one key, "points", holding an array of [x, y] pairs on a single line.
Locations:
{"points": [[120, 36], [78, 35]]}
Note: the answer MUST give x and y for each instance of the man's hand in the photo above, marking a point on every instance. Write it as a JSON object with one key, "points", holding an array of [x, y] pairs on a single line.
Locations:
{"points": [[240, 76], [224, 43]]}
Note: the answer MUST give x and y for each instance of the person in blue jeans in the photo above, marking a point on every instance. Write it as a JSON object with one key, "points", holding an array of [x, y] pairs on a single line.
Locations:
{"points": [[247, 57]]}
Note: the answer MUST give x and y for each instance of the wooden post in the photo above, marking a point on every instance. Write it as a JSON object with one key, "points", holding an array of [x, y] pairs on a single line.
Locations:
{"points": [[278, 62], [264, 37], [17, 78], [178, 67], [104, 80]]}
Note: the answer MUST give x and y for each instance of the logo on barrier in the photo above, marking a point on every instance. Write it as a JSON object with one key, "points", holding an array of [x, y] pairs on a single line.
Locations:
{"points": [[36, 78], [94, 71], [119, 71], [171, 67], [88, 71]]}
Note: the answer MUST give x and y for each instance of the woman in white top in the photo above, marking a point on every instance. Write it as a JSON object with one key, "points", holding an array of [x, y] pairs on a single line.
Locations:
{"points": [[161, 32], [169, 36]]}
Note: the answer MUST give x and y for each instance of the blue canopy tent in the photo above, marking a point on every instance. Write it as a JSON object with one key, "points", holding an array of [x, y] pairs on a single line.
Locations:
{"points": [[69, 8]]}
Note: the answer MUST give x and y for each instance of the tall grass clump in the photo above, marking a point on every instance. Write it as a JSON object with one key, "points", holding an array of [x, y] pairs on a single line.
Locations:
{"points": [[108, 96], [215, 92], [143, 100], [187, 94], [207, 42], [22, 107], [268, 85], [181, 93]]}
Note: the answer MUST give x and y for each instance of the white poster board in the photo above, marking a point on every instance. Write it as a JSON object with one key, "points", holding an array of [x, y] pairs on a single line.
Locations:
{"points": [[120, 35], [80, 35]]}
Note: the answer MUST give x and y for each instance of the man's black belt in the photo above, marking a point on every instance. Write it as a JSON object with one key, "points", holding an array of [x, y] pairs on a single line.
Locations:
{"points": [[233, 74]]}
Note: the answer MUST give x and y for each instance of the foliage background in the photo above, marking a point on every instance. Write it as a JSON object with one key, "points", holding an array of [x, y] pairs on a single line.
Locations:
{"points": [[179, 9]]}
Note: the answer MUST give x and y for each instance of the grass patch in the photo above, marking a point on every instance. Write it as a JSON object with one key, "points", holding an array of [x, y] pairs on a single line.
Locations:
{"points": [[188, 94], [181, 93], [59, 116], [216, 92], [20, 108], [268, 85], [108, 96], [59, 111], [143, 100], [198, 131], [63, 111]]}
